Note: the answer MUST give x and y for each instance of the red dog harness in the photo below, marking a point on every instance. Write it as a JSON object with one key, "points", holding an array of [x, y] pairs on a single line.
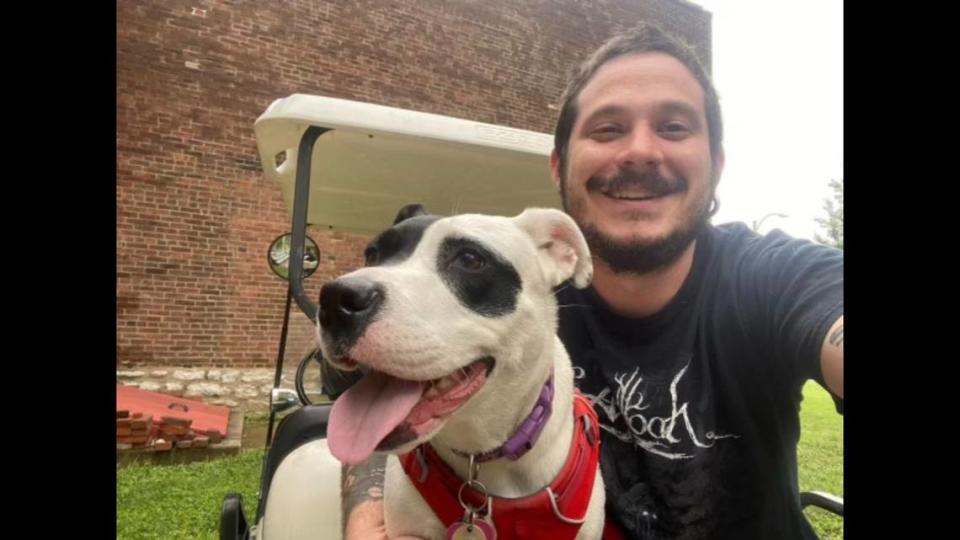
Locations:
{"points": [[555, 512]]}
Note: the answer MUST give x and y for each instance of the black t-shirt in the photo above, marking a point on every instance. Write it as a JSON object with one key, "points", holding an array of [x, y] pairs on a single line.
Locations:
{"points": [[699, 403]]}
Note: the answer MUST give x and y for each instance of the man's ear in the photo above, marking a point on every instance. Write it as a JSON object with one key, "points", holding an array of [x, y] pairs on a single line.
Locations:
{"points": [[718, 161], [555, 169]]}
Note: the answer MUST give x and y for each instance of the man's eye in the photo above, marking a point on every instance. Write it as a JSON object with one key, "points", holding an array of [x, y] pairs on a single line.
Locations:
{"points": [[469, 260], [607, 128], [605, 132], [675, 130]]}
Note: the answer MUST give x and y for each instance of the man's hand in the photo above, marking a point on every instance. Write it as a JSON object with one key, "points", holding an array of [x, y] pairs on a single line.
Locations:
{"points": [[361, 488], [366, 521]]}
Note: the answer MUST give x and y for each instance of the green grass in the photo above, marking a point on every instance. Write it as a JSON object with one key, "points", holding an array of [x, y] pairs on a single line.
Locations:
{"points": [[183, 501], [820, 455]]}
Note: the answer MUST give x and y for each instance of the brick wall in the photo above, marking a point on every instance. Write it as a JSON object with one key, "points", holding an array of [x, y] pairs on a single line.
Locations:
{"points": [[194, 213]]}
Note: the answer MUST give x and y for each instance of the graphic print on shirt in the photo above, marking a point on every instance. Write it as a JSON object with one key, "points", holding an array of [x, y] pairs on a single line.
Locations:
{"points": [[668, 435]]}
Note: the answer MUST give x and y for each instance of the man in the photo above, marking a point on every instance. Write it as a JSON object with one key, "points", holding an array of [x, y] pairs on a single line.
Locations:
{"points": [[694, 341]]}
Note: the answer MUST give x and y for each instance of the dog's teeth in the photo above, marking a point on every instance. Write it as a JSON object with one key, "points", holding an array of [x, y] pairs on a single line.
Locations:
{"points": [[431, 391], [441, 385]]}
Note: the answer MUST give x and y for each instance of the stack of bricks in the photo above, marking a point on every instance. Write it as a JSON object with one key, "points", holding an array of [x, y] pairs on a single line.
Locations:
{"points": [[140, 432], [134, 430]]}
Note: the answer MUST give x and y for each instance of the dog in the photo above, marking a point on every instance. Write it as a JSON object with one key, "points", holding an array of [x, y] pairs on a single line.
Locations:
{"points": [[468, 390]]}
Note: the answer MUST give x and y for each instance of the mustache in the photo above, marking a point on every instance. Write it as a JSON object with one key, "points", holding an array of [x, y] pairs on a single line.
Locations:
{"points": [[650, 181]]}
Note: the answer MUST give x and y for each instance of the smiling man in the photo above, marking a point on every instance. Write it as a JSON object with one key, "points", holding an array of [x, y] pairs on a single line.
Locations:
{"points": [[694, 341]]}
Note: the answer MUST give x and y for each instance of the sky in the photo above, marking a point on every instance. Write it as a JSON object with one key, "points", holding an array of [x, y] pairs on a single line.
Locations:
{"points": [[778, 68]]}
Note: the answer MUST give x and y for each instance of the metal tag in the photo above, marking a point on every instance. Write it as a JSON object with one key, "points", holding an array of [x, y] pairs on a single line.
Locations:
{"points": [[478, 530]]}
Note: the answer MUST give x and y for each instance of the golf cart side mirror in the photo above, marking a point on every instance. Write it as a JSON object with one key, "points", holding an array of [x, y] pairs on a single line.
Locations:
{"points": [[278, 256]]}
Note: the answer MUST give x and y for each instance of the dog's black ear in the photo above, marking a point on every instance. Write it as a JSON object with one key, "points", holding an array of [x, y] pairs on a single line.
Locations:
{"points": [[409, 211]]}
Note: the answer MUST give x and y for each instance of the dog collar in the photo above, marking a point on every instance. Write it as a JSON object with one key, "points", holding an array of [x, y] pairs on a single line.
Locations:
{"points": [[527, 434], [555, 511]]}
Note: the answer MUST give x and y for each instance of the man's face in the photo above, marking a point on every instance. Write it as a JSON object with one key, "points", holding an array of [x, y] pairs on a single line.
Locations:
{"points": [[639, 176]]}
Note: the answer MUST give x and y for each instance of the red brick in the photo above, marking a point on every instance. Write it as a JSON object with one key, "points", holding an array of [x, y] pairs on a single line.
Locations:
{"points": [[174, 421]]}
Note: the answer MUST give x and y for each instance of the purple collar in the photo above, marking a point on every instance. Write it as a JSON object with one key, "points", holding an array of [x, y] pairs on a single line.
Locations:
{"points": [[527, 434]]}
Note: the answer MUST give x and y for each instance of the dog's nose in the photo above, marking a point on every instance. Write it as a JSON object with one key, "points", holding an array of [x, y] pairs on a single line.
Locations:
{"points": [[348, 303]]}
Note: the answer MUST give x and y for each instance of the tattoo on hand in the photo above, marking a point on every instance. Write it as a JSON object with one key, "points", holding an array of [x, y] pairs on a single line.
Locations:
{"points": [[836, 338], [362, 482]]}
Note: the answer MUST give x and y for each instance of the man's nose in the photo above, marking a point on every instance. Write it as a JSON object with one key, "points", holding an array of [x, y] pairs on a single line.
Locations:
{"points": [[641, 148]]}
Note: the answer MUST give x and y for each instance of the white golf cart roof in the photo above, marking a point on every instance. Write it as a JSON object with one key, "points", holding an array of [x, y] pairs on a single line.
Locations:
{"points": [[376, 159]]}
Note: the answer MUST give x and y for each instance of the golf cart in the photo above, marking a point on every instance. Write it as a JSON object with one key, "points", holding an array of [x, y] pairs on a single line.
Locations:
{"points": [[348, 166]]}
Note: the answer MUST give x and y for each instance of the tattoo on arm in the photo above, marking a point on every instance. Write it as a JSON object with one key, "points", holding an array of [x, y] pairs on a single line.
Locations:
{"points": [[362, 482], [836, 338]]}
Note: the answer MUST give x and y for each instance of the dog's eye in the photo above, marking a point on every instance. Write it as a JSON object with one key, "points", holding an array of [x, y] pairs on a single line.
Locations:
{"points": [[469, 260]]}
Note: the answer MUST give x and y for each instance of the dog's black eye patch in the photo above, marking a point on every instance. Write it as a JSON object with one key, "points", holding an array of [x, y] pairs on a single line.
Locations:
{"points": [[478, 277], [397, 243]]}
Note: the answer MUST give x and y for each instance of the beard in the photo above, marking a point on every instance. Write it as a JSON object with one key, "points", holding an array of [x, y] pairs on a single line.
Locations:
{"points": [[640, 255]]}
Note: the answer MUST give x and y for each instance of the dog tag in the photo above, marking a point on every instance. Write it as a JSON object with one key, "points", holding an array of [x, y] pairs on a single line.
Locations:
{"points": [[479, 530]]}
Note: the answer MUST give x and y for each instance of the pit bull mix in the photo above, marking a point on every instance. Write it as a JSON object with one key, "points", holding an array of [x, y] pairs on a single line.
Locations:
{"points": [[469, 389]]}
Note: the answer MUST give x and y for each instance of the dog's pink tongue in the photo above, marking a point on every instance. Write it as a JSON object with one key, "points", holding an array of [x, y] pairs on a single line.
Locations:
{"points": [[368, 412]]}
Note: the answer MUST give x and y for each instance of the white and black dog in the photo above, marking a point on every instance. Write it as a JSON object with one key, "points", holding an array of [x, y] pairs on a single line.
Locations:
{"points": [[455, 319]]}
